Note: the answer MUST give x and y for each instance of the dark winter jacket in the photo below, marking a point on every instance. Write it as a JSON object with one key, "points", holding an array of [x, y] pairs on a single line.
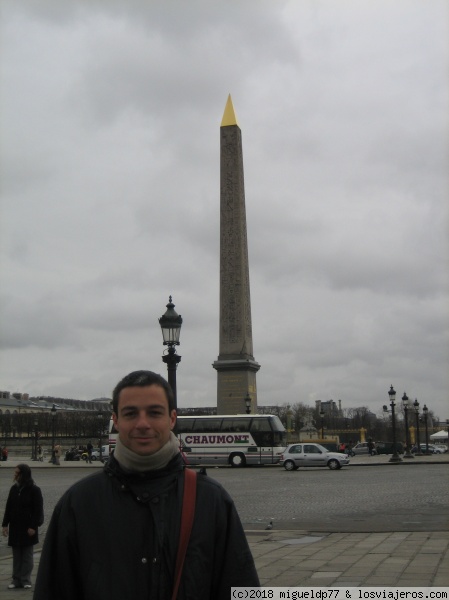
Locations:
{"points": [[114, 536], [24, 510]]}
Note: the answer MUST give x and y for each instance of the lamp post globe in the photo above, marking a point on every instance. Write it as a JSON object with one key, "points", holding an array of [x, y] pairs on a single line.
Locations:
{"points": [[418, 444], [405, 406], [395, 458], [171, 323]]}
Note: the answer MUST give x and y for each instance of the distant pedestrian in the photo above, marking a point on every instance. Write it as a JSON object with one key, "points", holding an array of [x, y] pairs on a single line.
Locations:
{"points": [[371, 447], [349, 450], [89, 452], [40, 453], [24, 513], [58, 452], [4, 453], [342, 447]]}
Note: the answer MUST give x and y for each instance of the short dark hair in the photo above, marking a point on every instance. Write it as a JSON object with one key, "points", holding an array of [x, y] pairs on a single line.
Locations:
{"points": [[142, 379]]}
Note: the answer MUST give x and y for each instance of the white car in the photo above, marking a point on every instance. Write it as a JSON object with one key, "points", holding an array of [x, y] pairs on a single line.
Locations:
{"points": [[311, 455]]}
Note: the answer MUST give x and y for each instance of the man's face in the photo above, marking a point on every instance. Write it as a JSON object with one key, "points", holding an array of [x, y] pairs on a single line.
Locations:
{"points": [[143, 419]]}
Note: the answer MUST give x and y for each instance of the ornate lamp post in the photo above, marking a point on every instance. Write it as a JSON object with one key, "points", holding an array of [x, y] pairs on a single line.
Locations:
{"points": [[170, 323], [395, 458], [425, 410], [418, 445], [248, 403], [322, 423], [405, 406], [53, 431], [289, 421]]}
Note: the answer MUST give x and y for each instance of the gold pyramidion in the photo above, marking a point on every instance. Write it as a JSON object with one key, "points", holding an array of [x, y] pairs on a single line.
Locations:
{"points": [[229, 117]]}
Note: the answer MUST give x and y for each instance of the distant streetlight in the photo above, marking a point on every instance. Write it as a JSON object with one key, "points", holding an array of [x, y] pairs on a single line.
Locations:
{"points": [[53, 432], [418, 445], [395, 458], [36, 424], [100, 422], [248, 403], [405, 406], [425, 411], [170, 323]]}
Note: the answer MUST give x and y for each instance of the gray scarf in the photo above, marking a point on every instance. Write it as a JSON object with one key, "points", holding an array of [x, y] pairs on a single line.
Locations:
{"points": [[130, 461]]}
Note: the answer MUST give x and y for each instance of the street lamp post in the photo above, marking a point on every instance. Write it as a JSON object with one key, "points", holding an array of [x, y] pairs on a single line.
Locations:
{"points": [[35, 439], [322, 423], [170, 323], [425, 410], [418, 445], [53, 432], [405, 406], [395, 458], [248, 403], [100, 429], [289, 421]]}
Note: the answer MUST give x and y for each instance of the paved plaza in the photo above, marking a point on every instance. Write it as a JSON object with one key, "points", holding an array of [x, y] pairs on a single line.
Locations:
{"points": [[310, 558]]}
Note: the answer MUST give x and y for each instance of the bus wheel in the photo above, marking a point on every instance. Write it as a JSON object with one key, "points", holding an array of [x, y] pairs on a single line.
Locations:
{"points": [[237, 460]]}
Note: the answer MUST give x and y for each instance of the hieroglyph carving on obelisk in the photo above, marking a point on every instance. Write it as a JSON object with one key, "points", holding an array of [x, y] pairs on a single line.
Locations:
{"points": [[236, 367]]}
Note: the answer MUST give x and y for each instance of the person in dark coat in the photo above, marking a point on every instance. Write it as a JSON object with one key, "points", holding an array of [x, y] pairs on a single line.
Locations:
{"points": [[115, 534], [24, 513]]}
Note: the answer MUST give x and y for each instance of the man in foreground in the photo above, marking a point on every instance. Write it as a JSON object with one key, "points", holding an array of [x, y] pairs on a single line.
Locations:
{"points": [[114, 535]]}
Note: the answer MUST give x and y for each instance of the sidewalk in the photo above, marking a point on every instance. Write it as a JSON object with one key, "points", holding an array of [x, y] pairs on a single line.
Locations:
{"points": [[307, 559], [356, 461]]}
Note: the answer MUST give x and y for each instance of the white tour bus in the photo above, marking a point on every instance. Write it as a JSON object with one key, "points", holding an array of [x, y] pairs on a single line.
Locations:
{"points": [[237, 440]]}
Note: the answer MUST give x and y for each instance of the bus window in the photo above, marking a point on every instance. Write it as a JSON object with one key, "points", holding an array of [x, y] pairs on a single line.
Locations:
{"points": [[184, 425], [235, 424], [260, 425], [212, 425]]}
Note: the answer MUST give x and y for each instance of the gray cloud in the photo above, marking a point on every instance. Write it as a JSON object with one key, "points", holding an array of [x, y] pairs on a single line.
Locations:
{"points": [[110, 193]]}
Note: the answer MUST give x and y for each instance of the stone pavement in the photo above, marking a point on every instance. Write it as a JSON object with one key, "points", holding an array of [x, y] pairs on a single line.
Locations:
{"points": [[310, 559], [307, 559]]}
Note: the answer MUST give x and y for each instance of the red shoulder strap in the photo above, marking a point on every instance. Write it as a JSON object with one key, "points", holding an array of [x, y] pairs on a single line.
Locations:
{"points": [[187, 515]]}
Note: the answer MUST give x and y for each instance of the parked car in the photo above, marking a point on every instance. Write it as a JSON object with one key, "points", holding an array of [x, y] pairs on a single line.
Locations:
{"points": [[441, 448], [387, 448], [434, 449], [362, 448], [311, 455], [96, 454]]}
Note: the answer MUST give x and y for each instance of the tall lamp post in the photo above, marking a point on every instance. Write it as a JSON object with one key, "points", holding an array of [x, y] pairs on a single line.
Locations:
{"points": [[418, 445], [34, 457], [170, 323], [322, 423], [248, 403], [425, 410], [100, 429], [53, 431], [395, 458], [405, 406]]}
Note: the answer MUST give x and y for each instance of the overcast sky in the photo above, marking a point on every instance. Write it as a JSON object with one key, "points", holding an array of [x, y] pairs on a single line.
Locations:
{"points": [[110, 116]]}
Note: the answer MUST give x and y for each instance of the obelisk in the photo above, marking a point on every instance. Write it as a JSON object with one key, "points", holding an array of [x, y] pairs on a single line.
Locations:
{"points": [[235, 365]]}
